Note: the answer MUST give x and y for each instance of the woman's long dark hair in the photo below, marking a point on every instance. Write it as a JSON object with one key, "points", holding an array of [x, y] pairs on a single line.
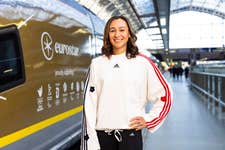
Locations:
{"points": [[132, 49]]}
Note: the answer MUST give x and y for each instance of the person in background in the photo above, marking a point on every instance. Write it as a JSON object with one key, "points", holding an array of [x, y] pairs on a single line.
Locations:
{"points": [[120, 83], [186, 72]]}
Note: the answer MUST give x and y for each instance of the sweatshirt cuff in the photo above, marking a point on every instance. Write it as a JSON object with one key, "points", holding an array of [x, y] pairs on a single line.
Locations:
{"points": [[147, 119]]}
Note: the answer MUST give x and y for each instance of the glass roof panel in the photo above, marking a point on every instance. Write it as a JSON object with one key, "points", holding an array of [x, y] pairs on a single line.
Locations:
{"points": [[211, 4], [196, 30], [156, 37], [144, 41], [151, 31], [148, 20], [173, 4], [198, 3], [158, 42], [184, 3], [144, 6], [221, 7]]}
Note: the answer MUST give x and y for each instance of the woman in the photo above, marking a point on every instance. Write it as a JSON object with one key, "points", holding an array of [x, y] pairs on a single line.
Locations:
{"points": [[120, 83]]}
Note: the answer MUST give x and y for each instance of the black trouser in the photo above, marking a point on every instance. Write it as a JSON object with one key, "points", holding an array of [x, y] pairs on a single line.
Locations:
{"points": [[124, 140]]}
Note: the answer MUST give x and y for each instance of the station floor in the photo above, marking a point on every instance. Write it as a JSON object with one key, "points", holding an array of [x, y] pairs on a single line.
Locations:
{"points": [[189, 125]]}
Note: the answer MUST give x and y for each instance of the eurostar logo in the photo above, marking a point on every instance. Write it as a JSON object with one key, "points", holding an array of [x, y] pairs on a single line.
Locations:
{"points": [[46, 42]]}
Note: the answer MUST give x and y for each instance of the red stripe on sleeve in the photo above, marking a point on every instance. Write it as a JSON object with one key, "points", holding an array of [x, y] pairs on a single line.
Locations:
{"points": [[166, 99]]}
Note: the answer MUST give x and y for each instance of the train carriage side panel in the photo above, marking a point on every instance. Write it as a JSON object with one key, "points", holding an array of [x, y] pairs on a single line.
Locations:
{"points": [[56, 50]]}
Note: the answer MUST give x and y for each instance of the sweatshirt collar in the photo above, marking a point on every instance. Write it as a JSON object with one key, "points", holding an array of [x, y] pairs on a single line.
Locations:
{"points": [[119, 56]]}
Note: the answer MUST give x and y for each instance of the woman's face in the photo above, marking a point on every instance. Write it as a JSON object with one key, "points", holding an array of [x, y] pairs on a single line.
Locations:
{"points": [[118, 35]]}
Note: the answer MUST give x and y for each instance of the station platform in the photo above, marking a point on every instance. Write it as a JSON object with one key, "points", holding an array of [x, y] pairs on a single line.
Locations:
{"points": [[189, 125]]}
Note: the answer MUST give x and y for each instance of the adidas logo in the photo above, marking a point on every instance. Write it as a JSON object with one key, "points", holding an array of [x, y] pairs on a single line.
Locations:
{"points": [[116, 66]]}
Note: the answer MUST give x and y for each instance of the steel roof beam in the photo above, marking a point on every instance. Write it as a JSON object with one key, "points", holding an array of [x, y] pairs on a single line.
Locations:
{"points": [[158, 19], [199, 9], [149, 27], [137, 15], [147, 15]]}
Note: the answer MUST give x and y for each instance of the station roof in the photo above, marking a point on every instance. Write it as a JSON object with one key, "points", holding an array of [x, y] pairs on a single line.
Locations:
{"points": [[152, 15]]}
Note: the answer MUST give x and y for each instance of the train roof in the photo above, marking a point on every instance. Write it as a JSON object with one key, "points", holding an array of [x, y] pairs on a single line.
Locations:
{"points": [[64, 13]]}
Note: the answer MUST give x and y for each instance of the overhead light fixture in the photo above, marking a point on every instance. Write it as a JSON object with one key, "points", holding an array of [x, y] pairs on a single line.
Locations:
{"points": [[163, 21], [164, 31]]}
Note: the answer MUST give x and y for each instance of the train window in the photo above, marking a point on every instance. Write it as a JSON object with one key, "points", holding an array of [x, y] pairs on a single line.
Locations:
{"points": [[11, 58]]}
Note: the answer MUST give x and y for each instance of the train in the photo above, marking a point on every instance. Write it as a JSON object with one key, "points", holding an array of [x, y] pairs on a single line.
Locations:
{"points": [[46, 47]]}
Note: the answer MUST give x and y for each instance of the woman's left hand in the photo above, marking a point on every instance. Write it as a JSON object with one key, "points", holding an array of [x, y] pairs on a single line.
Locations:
{"points": [[138, 123]]}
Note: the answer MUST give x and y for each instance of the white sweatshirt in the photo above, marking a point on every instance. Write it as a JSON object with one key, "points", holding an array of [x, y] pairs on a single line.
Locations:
{"points": [[118, 90]]}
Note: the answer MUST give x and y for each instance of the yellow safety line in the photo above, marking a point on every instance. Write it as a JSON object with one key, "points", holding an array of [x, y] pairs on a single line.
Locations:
{"points": [[36, 127]]}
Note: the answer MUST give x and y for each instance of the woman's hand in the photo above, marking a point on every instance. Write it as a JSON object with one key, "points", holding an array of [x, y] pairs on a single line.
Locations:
{"points": [[138, 123]]}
